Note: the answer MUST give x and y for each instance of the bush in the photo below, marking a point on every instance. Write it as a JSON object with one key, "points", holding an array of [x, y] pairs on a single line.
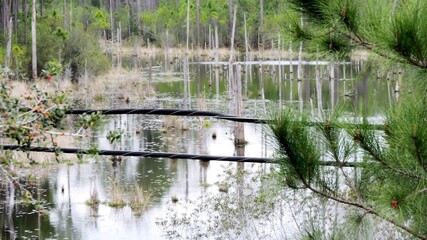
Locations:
{"points": [[81, 46]]}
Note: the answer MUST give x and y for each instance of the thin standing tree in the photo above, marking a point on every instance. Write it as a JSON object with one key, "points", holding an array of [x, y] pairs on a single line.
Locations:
{"points": [[139, 16], [261, 23], [34, 41], [9, 44], [198, 22]]}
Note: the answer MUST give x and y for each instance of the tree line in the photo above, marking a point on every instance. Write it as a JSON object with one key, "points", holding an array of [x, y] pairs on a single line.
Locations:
{"points": [[61, 27]]}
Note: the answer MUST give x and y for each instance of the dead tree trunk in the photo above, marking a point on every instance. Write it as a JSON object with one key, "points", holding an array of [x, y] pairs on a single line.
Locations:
{"points": [[64, 12], [33, 41], [111, 21], [230, 14], [5, 14], [198, 22], [138, 16], [9, 44], [41, 7], [261, 22], [25, 11], [15, 11]]}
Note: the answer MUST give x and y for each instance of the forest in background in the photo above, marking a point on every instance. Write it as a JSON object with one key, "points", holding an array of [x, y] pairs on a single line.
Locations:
{"points": [[68, 32]]}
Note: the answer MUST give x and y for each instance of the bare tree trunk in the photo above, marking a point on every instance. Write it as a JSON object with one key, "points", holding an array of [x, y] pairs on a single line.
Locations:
{"points": [[188, 24], [261, 21], [332, 84], [33, 41], [2, 20], [167, 49], [393, 9], [230, 14], [198, 22], [129, 14], [239, 131], [138, 16], [216, 45], [5, 16], [25, 11], [15, 10], [232, 57], [10, 205], [64, 12], [111, 21], [41, 7], [71, 14], [246, 37], [318, 87], [279, 82], [9, 44]]}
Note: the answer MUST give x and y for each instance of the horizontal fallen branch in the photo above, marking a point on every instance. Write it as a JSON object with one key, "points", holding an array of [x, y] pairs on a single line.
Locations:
{"points": [[193, 113], [146, 154]]}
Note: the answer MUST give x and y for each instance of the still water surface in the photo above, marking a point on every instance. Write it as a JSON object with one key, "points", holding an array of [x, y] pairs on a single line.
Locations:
{"points": [[265, 86]]}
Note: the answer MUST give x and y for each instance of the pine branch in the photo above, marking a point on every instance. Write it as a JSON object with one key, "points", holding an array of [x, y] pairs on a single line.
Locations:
{"points": [[367, 209], [417, 144], [361, 139], [327, 131]]}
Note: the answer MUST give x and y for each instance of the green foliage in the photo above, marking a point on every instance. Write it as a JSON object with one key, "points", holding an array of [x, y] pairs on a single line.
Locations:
{"points": [[313, 8], [114, 135], [409, 34], [349, 14], [388, 29], [52, 68], [27, 119], [391, 182], [71, 45], [299, 33], [91, 121], [298, 154], [6, 158], [2, 54], [93, 151], [61, 33], [99, 19]]}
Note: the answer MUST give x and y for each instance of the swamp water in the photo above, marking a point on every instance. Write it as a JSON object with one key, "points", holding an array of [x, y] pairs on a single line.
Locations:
{"points": [[190, 199]]}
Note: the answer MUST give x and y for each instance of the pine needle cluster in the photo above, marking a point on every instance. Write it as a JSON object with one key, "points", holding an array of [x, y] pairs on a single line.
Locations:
{"points": [[390, 180]]}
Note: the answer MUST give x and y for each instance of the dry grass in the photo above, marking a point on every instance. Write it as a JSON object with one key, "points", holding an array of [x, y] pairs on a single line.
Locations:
{"points": [[21, 88], [173, 122], [117, 196], [126, 85], [207, 54], [201, 53], [139, 199]]}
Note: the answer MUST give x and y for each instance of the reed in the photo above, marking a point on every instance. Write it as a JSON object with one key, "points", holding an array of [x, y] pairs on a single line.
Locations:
{"points": [[139, 198], [117, 196]]}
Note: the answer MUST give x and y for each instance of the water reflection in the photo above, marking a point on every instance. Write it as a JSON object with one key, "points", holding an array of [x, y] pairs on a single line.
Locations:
{"points": [[251, 88]]}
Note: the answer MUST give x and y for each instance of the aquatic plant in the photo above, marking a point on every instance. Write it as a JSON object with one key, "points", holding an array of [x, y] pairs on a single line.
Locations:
{"points": [[138, 198], [257, 207], [233, 214], [117, 197]]}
